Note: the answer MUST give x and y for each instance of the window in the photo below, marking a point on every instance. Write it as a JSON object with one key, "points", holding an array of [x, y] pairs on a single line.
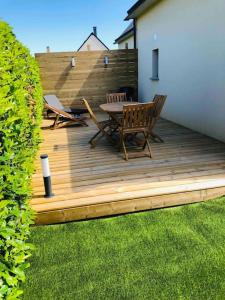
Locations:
{"points": [[126, 46], [155, 64]]}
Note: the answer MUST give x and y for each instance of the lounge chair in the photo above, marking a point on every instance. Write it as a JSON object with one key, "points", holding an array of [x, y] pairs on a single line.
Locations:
{"points": [[63, 118], [54, 101]]}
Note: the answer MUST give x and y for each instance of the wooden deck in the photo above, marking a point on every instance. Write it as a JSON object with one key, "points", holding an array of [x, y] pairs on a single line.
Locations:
{"points": [[187, 168]]}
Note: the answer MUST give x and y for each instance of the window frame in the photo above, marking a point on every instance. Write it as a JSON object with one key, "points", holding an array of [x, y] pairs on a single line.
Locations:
{"points": [[155, 64]]}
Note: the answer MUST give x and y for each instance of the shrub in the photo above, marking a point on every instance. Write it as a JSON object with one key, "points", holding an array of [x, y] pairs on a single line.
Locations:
{"points": [[20, 118]]}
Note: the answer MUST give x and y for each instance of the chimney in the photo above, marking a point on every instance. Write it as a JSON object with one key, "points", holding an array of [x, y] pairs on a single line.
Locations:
{"points": [[95, 31]]}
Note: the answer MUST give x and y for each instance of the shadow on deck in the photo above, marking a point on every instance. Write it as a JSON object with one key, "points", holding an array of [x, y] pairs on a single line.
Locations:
{"points": [[89, 183]]}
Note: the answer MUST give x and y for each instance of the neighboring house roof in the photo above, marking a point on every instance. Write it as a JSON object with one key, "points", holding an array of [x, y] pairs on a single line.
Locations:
{"points": [[138, 8], [128, 32], [92, 34]]}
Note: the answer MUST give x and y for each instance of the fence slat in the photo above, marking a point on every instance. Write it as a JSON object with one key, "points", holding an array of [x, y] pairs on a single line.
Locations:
{"points": [[89, 78]]}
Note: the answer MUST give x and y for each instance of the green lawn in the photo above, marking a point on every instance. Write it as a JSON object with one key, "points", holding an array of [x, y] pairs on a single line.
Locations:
{"points": [[176, 253]]}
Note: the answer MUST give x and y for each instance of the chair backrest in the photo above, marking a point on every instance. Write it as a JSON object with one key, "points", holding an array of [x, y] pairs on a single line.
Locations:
{"points": [[90, 111], [52, 100], [116, 97], [137, 115], [59, 112], [159, 101]]}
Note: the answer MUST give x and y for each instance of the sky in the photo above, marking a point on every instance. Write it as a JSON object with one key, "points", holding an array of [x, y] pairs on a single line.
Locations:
{"points": [[64, 25]]}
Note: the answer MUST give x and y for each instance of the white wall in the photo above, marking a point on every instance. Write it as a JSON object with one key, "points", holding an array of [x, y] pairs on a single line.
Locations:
{"points": [[130, 42], [94, 45], [191, 41]]}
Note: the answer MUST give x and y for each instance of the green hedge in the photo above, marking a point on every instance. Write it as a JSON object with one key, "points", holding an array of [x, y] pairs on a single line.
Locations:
{"points": [[20, 118]]}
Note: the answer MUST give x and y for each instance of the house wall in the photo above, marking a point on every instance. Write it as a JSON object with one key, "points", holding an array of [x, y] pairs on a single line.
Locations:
{"points": [[90, 78], [130, 42], [93, 44], [190, 38]]}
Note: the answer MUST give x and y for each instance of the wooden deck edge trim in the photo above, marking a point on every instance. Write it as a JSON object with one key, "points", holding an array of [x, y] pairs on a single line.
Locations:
{"points": [[101, 199], [127, 206]]}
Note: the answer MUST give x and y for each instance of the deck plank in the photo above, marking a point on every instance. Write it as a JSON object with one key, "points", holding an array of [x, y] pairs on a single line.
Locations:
{"points": [[189, 167]]}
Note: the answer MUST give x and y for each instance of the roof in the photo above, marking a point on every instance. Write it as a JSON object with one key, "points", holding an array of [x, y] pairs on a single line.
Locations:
{"points": [[96, 38], [138, 8], [128, 32]]}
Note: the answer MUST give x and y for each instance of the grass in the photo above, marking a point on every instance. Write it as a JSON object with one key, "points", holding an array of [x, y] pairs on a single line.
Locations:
{"points": [[176, 253]]}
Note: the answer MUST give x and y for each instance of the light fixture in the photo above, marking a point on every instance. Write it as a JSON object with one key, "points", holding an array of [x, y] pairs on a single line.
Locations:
{"points": [[73, 62], [46, 176], [106, 61]]}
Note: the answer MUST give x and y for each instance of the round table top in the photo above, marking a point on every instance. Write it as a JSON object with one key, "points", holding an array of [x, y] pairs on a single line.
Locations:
{"points": [[115, 107]]}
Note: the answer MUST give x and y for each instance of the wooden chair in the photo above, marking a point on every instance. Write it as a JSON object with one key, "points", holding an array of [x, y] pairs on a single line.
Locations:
{"points": [[159, 101], [116, 97], [136, 119], [63, 118], [105, 127]]}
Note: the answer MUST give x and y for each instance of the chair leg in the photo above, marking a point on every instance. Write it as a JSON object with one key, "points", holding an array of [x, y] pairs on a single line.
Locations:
{"points": [[149, 148], [64, 122], [147, 144], [55, 124], [94, 137], [95, 141], [124, 148]]}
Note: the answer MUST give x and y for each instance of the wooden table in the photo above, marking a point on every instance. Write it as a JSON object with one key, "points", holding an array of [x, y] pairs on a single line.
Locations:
{"points": [[116, 107]]}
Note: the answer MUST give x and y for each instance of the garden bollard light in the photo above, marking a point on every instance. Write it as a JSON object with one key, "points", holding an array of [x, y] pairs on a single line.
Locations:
{"points": [[46, 176], [73, 62]]}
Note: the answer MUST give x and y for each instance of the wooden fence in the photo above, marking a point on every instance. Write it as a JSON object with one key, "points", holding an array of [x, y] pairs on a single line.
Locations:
{"points": [[90, 78]]}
